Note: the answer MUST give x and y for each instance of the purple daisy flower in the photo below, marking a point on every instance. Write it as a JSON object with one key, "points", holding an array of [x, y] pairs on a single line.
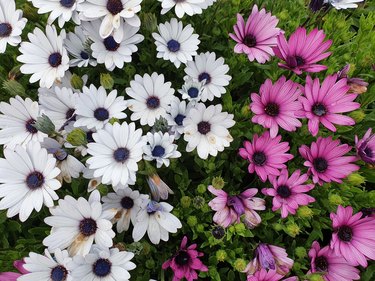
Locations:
{"points": [[366, 147]]}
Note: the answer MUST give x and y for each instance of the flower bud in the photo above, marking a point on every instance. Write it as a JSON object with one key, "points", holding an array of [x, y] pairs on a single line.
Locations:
{"points": [[335, 199], [296, 266], [221, 255], [240, 227], [14, 72], [106, 81], [218, 182], [76, 82], [357, 115], [239, 265], [14, 88], [245, 111], [77, 137], [200, 228], [315, 277], [113, 120], [201, 188], [218, 232], [149, 22], [150, 264], [277, 226], [356, 179], [185, 201], [161, 125], [305, 212], [192, 221], [292, 229], [301, 252], [44, 125], [198, 202]]}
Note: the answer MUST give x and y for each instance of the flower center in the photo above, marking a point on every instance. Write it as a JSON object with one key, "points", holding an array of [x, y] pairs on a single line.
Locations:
{"points": [[321, 264], [193, 92], [236, 203], [179, 1], [182, 258], [69, 114], [102, 267], [101, 114], [121, 154], [5, 29], [250, 40], [259, 158], [34, 180], [204, 76], [345, 233], [272, 109], [54, 59], [283, 191], [87, 227], [204, 127], [158, 151], [218, 232], [127, 202], [173, 45], [110, 44], [320, 164], [319, 109], [30, 128], [368, 151], [67, 3], [59, 273], [299, 60], [89, 137], [179, 119], [84, 55], [153, 102], [114, 6]]}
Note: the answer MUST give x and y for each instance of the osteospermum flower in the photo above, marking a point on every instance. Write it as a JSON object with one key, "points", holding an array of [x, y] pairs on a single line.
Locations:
{"points": [[159, 189], [176, 115], [277, 105], [44, 56], [207, 129], [76, 224], [103, 264], [271, 275], [192, 90], [366, 147], [151, 98], [343, 4], [266, 155], [27, 180], [185, 262], [175, 42], [11, 24], [257, 37], [156, 219], [353, 236], [115, 152], [326, 161], [190, 7], [322, 104], [269, 257], [288, 192], [45, 267], [357, 85], [17, 120], [332, 267], [95, 108], [12, 276], [213, 72], [303, 51], [229, 209]]}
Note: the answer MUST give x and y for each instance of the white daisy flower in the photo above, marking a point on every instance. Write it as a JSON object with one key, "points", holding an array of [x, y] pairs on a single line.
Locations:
{"points": [[11, 24], [212, 71], [64, 10], [160, 147], [155, 219], [65, 82], [95, 108], [176, 115], [109, 51], [27, 180], [115, 13], [77, 223], [78, 45], [44, 56], [207, 3], [190, 7], [176, 42], [103, 264], [59, 105], [46, 268], [207, 129], [151, 98], [70, 166], [115, 153], [343, 4], [192, 90], [126, 203], [17, 120]]}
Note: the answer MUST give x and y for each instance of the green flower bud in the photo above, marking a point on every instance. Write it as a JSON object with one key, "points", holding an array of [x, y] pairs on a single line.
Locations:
{"points": [[357, 115], [201, 188], [192, 221], [113, 120], [277, 226], [14, 88], [198, 202], [356, 179], [218, 182], [240, 227], [296, 266], [30, 13], [14, 72], [77, 137], [149, 22], [284, 15], [335, 199], [200, 228], [130, 70], [44, 125], [161, 125], [150, 264], [146, 248], [239, 265], [76, 82], [315, 277], [301, 252], [221, 255], [245, 111], [257, 129], [292, 229], [185, 201], [106, 81], [305, 212]]}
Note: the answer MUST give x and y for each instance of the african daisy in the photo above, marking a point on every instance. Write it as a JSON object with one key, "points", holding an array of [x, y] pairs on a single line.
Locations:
{"points": [[366, 147], [176, 115], [192, 90], [190, 7], [343, 4]]}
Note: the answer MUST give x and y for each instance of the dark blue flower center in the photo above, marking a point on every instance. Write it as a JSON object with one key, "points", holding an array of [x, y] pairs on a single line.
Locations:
{"points": [[272, 109], [67, 3], [299, 60], [204, 127], [69, 114], [179, 119], [114, 6], [158, 151], [319, 109], [84, 55], [345, 233], [153, 102], [30, 128], [34, 180], [55, 59], [204, 76], [368, 151], [102, 267], [127, 202], [250, 40], [193, 92], [89, 137], [87, 227], [320, 164], [283, 191], [121, 154], [182, 258], [321, 264], [59, 273], [173, 45], [5, 29], [110, 44], [259, 158], [101, 114]]}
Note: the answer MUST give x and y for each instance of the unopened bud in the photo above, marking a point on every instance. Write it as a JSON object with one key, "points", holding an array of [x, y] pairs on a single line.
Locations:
{"points": [[76, 82], [44, 125], [77, 137], [106, 81]]}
